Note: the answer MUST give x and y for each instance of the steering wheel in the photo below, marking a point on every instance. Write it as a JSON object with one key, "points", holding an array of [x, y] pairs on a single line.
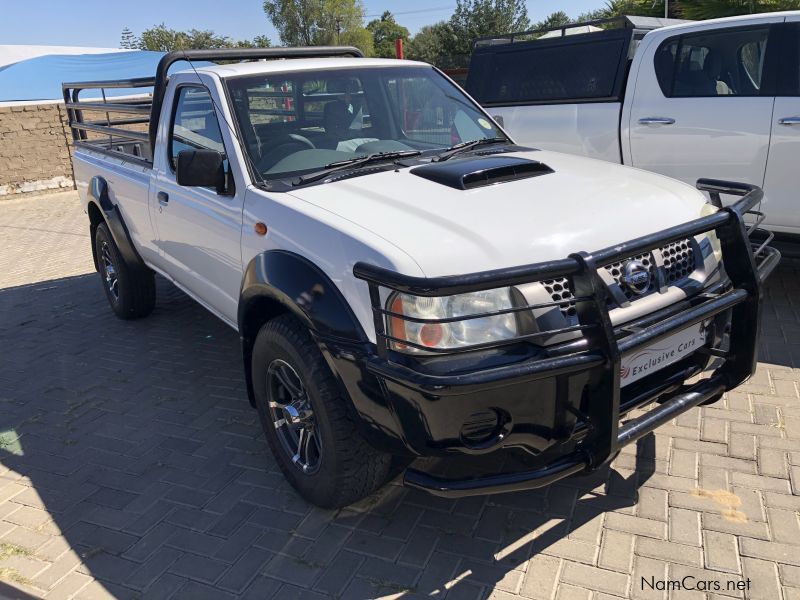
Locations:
{"points": [[281, 147]]}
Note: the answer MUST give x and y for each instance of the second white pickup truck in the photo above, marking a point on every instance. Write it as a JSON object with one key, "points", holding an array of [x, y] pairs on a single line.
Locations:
{"points": [[406, 280], [718, 98]]}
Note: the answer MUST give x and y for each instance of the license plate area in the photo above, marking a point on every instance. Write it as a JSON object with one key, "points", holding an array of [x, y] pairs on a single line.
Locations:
{"points": [[651, 359]]}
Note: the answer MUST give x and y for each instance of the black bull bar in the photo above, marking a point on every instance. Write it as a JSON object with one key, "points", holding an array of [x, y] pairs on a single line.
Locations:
{"points": [[746, 265]]}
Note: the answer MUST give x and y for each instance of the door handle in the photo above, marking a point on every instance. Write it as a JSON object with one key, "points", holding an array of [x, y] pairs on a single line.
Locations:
{"points": [[656, 121], [789, 121], [163, 198]]}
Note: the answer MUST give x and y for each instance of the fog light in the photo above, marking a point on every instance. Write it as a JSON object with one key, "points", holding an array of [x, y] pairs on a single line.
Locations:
{"points": [[480, 427]]}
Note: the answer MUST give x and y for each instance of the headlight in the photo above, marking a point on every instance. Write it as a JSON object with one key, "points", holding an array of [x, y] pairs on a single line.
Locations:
{"points": [[454, 334]]}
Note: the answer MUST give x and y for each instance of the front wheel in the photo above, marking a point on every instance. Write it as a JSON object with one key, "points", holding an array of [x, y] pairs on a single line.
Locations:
{"points": [[306, 421]]}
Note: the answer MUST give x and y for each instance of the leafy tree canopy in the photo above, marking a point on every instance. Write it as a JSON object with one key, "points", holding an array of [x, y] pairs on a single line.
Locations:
{"points": [[554, 20], [477, 18], [430, 44], [319, 22], [384, 33], [163, 39]]}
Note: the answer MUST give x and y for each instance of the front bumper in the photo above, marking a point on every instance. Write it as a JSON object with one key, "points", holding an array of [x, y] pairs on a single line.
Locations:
{"points": [[564, 406]]}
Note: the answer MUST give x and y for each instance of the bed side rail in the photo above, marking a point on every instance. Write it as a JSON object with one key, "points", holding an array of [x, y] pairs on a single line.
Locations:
{"points": [[120, 125]]}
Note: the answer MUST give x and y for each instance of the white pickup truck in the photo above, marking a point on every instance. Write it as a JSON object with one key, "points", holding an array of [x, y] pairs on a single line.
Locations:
{"points": [[405, 280], [718, 98]]}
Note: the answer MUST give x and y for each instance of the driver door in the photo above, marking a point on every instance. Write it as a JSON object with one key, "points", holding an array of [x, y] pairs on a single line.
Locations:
{"points": [[199, 229]]}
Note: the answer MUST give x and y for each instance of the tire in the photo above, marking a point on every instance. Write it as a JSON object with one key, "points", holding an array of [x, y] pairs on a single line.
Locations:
{"points": [[130, 289], [338, 466]]}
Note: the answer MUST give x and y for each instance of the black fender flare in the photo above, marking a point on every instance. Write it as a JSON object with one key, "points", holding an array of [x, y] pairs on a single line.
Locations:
{"points": [[98, 195], [279, 281]]}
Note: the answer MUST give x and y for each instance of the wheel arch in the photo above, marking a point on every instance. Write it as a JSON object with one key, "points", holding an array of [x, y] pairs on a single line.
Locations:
{"points": [[101, 209], [278, 282], [95, 218]]}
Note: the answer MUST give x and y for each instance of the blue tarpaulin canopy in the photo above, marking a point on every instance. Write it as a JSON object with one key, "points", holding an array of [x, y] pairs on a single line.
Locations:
{"points": [[40, 78]]}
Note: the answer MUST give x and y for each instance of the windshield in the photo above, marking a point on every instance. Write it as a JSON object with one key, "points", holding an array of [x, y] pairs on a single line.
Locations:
{"points": [[298, 122]]}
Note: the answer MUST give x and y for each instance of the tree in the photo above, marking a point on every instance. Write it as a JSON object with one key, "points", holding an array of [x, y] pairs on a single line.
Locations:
{"points": [[430, 44], [556, 19], [593, 15], [384, 33], [260, 41], [319, 22], [477, 18], [163, 39], [128, 40], [295, 20], [358, 37]]}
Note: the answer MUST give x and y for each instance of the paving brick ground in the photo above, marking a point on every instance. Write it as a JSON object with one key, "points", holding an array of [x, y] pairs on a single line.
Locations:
{"points": [[132, 466]]}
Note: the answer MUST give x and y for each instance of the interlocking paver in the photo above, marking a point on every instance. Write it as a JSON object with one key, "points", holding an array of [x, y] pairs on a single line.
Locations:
{"points": [[131, 465]]}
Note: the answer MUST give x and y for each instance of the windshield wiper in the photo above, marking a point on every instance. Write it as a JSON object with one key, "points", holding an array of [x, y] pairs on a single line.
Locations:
{"points": [[464, 146], [353, 163]]}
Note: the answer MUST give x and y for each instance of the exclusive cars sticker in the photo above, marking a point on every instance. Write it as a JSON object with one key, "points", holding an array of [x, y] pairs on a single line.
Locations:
{"points": [[656, 357]]}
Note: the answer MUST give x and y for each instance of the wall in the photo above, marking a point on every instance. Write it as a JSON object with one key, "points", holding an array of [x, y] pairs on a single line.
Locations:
{"points": [[34, 151]]}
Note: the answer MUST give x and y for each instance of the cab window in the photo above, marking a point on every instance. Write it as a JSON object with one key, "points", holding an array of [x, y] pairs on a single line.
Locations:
{"points": [[195, 125], [713, 63]]}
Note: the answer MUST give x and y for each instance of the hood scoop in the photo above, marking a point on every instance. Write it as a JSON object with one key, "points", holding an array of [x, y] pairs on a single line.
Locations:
{"points": [[471, 173]]}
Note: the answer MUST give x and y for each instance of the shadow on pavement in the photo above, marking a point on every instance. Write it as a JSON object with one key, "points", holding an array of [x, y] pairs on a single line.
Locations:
{"points": [[137, 439]]}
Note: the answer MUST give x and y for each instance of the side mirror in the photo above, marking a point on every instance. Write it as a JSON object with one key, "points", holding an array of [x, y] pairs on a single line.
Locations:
{"points": [[202, 168], [499, 120]]}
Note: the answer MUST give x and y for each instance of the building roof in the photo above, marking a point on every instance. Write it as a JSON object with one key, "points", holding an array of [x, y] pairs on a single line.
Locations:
{"points": [[13, 53], [40, 78]]}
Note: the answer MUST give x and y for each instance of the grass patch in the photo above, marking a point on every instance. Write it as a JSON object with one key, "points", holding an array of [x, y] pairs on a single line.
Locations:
{"points": [[9, 441], [9, 550], [7, 574]]}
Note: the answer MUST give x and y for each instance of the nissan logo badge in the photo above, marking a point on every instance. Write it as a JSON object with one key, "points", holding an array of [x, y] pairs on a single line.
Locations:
{"points": [[636, 276]]}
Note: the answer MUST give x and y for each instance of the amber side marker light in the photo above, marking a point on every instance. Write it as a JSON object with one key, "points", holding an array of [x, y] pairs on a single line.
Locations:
{"points": [[260, 228]]}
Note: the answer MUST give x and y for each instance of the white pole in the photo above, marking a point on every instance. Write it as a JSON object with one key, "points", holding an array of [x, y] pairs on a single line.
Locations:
{"points": [[666, 9]]}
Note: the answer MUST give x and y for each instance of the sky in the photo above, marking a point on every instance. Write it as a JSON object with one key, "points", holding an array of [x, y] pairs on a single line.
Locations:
{"points": [[100, 22]]}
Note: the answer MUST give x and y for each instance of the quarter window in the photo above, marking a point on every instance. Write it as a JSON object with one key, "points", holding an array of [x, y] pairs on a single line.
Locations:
{"points": [[716, 63], [195, 125]]}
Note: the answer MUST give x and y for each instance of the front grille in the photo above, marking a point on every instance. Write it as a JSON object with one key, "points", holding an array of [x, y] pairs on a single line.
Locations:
{"points": [[678, 259], [559, 291]]}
